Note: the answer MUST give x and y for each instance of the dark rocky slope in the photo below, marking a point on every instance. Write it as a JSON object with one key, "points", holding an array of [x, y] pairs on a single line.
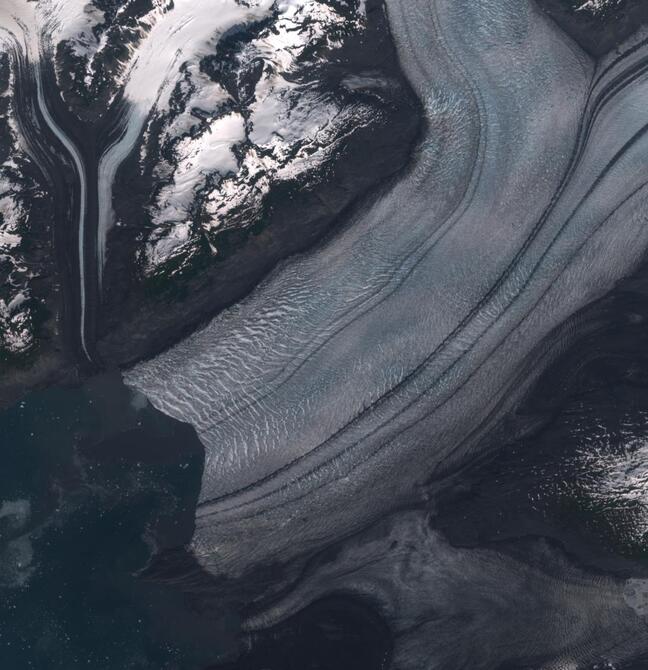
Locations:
{"points": [[598, 26]]}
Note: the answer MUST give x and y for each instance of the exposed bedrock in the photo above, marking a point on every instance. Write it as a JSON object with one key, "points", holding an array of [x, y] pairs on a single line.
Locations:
{"points": [[354, 374], [36, 201]]}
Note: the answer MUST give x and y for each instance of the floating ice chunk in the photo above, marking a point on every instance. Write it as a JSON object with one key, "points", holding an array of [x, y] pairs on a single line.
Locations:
{"points": [[16, 556], [16, 512], [16, 563]]}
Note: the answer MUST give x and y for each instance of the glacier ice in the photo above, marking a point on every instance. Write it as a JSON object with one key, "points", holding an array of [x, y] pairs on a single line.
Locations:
{"points": [[355, 373]]}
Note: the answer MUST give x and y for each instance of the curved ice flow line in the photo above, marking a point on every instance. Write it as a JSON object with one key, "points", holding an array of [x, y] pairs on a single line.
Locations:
{"points": [[407, 569], [83, 185], [405, 267], [267, 495], [412, 260], [31, 47], [111, 160], [415, 258], [109, 163], [575, 159], [243, 348]]}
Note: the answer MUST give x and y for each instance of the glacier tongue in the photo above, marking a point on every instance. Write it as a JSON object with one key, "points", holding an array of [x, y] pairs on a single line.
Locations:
{"points": [[331, 394]]}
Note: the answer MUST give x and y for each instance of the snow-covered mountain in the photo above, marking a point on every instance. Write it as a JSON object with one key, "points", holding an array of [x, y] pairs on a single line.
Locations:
{"points": [[249, 152], [16, 324], [268, 105], [184, 147], [26, 229]]}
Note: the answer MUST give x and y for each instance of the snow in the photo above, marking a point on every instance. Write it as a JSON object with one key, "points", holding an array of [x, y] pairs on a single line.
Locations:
{"points": [[289, 131], [53, 21], [597, 6], [12, 215], [177, 37], [394, 342], [19, 29], [18, 26], [209, 152], [182, 35], [206, 96], [615, 477], [166, 241], [73, 21]]}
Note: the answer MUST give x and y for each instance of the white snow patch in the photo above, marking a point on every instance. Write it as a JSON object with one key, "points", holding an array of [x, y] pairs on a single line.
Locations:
{"points": [[181, 35], [185, 33], [16, 333], [596, 6], [73, 21], [290, 128], [16, 328], [166, 241], [197, 157], [616, 479], [12, 215], [207, 96], [19, 26]]}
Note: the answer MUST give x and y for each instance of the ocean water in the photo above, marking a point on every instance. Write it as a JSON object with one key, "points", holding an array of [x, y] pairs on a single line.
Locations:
{"points": [[93, 481]]}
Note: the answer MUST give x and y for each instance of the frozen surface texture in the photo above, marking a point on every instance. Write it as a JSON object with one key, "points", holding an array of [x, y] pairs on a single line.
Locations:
{"points": [[273, 120], [251, 115], [178, 155], [398, 343], [16, 322], [25, 229]]}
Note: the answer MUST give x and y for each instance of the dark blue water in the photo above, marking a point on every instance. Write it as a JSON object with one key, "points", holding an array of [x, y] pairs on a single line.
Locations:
{"points": [[94, 484], [93, 481]]}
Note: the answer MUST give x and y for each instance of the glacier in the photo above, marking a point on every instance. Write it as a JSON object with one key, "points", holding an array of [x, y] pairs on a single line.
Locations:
{"points": [[395, 346], [357, 377], [363, 372]]}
